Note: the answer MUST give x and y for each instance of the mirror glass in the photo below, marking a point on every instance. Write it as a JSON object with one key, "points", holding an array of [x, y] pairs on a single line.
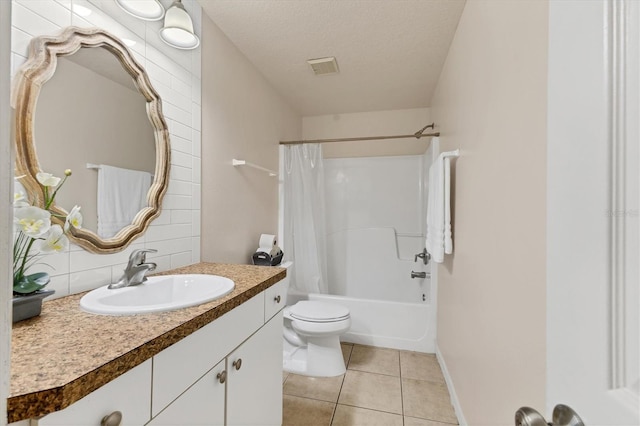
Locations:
{"points": [[82, 102], [90, 113]]}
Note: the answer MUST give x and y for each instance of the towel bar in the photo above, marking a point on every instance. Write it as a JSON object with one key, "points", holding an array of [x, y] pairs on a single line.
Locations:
{"points": [[236, 163]]}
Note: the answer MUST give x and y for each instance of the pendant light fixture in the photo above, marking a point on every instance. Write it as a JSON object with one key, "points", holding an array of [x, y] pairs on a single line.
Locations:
{"points": [[178, 28], [148, 10]]}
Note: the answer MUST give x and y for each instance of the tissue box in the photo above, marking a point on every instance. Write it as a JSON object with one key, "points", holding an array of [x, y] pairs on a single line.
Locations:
{"points": [[264, 259]]}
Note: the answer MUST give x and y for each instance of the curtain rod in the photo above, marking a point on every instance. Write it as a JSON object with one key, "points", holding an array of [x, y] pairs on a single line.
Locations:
{"points": [[419, 134]]}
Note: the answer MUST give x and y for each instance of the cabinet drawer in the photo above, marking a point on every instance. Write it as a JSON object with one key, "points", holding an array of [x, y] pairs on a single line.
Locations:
{"points": [[275, 298], [181, 364], [130, 394]]}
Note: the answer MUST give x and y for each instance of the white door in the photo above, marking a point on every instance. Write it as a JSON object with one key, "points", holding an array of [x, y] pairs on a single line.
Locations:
{"points": [[592, 205]]}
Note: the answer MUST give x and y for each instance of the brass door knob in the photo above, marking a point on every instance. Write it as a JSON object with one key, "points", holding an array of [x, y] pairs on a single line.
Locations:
{"points": [[277, 299], [222, 376], [237, 363], [113, 419]]}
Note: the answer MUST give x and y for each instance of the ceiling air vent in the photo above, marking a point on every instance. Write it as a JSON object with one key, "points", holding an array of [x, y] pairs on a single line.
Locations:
{"points": [[323, 66]]}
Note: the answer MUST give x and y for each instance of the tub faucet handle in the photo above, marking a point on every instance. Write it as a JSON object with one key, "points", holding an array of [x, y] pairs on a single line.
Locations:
{"points": [[425, 256]]}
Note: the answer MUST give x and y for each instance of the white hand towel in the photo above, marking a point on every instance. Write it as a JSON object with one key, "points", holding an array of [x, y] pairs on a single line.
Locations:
{"points": [[122, 193], [448, 241], [439, 235], [435, 212]]}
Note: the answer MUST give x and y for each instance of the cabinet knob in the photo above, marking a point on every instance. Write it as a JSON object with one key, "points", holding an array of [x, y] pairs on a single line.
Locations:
{"points": [[112, 419], [237, 363], [277, 299], [222, 376]]}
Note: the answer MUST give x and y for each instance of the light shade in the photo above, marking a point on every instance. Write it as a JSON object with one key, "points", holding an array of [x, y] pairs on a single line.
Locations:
{"points": [[178, 28], [149, 10]]}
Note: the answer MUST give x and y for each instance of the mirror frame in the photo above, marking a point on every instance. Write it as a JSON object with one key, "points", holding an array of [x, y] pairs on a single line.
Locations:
{"points": [[36, 71]]}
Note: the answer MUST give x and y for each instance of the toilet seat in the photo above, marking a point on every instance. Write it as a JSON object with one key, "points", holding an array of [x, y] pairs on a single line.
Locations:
{"points": [[318, 312]]}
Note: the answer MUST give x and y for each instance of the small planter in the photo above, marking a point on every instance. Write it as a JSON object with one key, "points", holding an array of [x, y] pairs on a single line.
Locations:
{"points": [[30, 305]]}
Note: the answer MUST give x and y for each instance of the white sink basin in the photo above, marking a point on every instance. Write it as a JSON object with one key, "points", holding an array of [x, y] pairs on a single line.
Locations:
{"points": [[157, 294]]}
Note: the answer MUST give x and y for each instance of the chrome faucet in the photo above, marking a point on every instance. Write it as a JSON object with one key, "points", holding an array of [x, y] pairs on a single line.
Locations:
{"points": [[418, 274], [134, 273]]}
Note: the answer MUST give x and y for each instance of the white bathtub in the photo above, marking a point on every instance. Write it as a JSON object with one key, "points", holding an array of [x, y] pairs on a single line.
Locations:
{"points": [[369, 272], [398, 325]]}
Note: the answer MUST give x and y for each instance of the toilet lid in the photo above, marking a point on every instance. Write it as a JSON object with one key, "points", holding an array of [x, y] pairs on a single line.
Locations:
{"points": [[307, 310]]}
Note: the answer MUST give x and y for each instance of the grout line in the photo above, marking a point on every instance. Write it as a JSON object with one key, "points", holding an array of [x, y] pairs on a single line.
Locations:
{"points": [[373, 409], [374, 372], [333, 414], [344, 376], [311, 399]]}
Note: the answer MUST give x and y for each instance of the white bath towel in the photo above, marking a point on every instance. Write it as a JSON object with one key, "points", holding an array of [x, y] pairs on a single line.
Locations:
{"points": [[439, 235], [122, 193]]}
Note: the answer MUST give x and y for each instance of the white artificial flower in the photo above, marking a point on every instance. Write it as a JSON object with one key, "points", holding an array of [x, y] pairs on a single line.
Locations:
{"points": [[55, 241], [32, 221], [19, 196], [74, 218], [47, 179], [20, 199]]}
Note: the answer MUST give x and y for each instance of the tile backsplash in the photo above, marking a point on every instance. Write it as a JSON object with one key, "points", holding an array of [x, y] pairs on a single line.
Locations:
{"points": [[176, 76]]}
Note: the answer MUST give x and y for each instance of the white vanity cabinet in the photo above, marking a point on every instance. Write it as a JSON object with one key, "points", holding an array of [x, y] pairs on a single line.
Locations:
{"points": [[129, 394], [253, 387], [229, 372], [179, 366]]}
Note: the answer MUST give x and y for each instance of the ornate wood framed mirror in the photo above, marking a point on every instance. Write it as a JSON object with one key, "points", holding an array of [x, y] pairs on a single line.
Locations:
{"points": [[47, 55]]}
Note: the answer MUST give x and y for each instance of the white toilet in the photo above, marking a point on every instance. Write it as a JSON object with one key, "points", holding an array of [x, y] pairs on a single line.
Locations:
{"points": [[312, 332]]}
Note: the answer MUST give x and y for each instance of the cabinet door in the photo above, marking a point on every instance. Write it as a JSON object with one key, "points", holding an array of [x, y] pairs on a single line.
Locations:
{"points": [[130, 394], [254, 391], [201, 404]]}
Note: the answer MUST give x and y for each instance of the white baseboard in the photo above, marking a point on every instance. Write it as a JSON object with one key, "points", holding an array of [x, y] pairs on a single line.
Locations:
{"points": [[452, 390]]}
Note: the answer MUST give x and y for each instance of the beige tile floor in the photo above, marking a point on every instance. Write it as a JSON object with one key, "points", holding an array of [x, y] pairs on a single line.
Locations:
{"points": [[382, 386]]}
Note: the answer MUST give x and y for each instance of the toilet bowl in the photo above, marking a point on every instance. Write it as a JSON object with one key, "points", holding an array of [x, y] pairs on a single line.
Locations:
{"points": [[312, 338]]}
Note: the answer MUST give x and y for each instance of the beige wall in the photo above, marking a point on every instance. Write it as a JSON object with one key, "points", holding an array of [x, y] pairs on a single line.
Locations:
{"points": [[242, 118], [72, 131], [491, 103], [375, 123]]}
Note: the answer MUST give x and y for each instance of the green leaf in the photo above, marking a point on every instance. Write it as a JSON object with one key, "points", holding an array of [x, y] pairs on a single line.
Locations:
{"points": [[31, 283]]}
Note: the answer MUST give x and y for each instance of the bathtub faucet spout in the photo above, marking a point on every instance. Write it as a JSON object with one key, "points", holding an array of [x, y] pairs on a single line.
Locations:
{"points": [[419, 274]]}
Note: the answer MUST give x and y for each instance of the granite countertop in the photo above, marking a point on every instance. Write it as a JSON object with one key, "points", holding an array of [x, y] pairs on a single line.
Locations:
{"points": [[66, 353]]}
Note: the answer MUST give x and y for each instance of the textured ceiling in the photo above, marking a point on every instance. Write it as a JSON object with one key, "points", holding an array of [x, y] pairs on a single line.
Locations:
{"points": [[390, 52]]}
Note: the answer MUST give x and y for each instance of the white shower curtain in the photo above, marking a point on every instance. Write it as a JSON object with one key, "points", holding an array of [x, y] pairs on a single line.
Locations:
{"points": [[304, 217]]}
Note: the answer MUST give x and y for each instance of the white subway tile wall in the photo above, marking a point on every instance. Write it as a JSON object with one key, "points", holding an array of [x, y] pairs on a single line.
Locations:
{"points": [[175, 74]]}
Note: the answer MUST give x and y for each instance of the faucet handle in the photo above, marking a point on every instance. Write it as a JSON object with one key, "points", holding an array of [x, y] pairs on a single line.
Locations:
{"points": [[143, 254], [425, 256], [139, 256]]}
